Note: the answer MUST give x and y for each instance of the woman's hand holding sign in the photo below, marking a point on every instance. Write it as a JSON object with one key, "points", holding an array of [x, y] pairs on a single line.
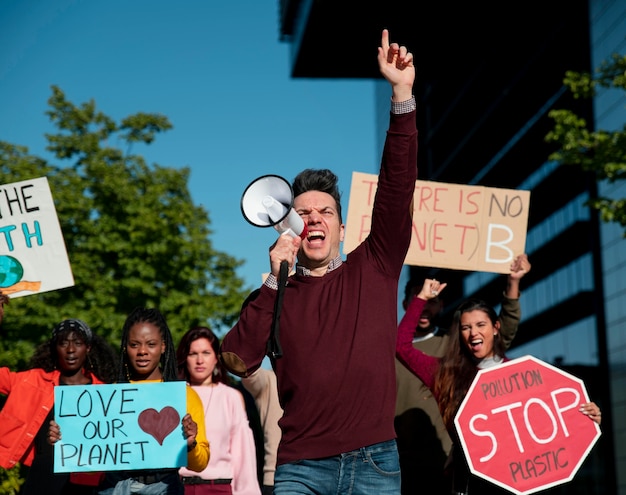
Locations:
{"points": [[190, 430]]}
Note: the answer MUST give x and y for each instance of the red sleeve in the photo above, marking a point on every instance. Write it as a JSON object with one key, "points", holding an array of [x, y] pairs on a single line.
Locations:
{"points": [[422, 365]]}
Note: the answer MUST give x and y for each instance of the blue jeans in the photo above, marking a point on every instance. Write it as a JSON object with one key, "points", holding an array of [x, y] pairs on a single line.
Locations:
{"points": [[366, 471]]}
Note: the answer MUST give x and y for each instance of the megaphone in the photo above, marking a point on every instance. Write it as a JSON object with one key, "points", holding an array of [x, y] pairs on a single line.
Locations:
{"points": [[268, 202]]}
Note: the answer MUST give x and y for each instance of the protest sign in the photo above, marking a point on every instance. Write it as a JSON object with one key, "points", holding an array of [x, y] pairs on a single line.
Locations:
{"points": [[456, 226], [32, 250], [122, 426], [520, 427]]}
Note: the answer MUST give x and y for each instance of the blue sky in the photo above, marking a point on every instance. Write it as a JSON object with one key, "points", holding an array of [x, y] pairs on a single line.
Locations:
{"points": [[217, 70]]}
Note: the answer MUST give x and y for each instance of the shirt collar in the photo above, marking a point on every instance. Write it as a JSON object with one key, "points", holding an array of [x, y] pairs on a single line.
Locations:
{"points": [[333, 265], [434, 331], [489, 362]]}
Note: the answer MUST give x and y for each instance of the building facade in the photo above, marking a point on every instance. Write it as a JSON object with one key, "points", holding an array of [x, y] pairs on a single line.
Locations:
{"points": [[486, 81]]}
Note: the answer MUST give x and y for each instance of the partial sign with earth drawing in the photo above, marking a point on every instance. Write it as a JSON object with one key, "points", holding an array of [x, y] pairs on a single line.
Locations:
{"points": [[520, 426], [33, 257], [120, 426]]}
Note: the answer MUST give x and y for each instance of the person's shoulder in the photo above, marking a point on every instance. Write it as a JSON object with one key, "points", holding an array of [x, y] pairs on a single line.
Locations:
{"points": [[434, 345], [48, 376], [5, 370], [260, 382], [232, 396], [95, 379], [229, 390], [191, 393], [260, 374], [38, 373], [442, 333]]}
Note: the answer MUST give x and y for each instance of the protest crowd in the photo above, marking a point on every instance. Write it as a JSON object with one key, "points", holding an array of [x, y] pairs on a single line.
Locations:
{"points": [[351, 397]]}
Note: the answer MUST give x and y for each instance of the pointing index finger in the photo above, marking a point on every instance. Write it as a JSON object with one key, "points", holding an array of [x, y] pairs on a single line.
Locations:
{"points": [[384, 43]]}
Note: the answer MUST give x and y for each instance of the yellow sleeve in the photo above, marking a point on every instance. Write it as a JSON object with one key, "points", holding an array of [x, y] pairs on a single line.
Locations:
{"points": [[198, 457]]}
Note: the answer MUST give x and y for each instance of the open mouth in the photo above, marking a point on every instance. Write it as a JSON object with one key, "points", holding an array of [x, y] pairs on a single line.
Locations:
{"points": [[315, 236]]}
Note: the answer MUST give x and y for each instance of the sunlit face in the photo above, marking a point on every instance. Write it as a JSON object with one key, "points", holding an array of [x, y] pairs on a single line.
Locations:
{"points": [[72, 352], [201, 362], [144, 348], [478, 333], [325, 231]]}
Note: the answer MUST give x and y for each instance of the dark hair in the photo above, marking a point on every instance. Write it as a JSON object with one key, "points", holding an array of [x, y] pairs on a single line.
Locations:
{"points": [[322, 180], [101, 360], [458, 367], [193, 334], [168, 358]]}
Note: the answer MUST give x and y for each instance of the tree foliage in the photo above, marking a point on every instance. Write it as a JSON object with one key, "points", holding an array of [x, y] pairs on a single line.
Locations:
{"points": [[600, 152], [11, 480], [133, 234]]}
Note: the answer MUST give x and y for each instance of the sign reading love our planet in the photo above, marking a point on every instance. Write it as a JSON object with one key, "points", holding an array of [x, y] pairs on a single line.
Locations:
{"points": [[33, 258], [457, 226], [122, 426]]}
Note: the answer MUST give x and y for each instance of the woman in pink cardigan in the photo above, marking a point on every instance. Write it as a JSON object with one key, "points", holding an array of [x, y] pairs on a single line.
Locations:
{"points": [[233, 466]]}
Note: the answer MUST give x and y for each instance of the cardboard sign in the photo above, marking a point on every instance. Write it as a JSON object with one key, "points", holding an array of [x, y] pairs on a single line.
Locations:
{"points": [[520, 426], [32, 250], [455, 226], [117, 427]]}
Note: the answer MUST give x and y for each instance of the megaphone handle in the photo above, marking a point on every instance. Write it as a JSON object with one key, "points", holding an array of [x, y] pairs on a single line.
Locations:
{"points": [[274, 348]]}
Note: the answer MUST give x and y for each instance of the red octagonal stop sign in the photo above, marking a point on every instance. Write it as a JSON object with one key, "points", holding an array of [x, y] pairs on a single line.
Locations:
{"points": [[520, 426]]}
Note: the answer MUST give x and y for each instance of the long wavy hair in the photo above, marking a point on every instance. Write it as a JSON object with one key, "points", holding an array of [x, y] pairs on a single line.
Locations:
{"points": [[168, 358], [101, 359], [458, 366], [193, 334]]}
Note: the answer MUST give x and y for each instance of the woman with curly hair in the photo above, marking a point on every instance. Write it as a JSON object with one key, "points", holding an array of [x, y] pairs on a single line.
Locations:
{"points": [[73, 355]]}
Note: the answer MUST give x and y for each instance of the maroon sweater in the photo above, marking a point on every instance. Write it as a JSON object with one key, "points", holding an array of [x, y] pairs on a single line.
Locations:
{"points": [[336, 378]]}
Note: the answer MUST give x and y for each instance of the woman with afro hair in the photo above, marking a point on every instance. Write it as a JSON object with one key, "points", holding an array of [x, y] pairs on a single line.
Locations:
{"points": [[73, 355]]}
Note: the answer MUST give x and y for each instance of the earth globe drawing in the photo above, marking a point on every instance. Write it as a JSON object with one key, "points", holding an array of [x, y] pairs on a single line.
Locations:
{"points": [[11, 271]]}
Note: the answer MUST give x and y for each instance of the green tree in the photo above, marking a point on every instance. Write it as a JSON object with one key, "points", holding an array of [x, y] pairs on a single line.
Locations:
{"points": [[132, 232], [10, 481], [600, 152]]}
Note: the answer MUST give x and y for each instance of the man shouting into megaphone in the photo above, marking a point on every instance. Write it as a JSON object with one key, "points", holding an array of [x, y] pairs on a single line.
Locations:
{"points": [[336, 376]]}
